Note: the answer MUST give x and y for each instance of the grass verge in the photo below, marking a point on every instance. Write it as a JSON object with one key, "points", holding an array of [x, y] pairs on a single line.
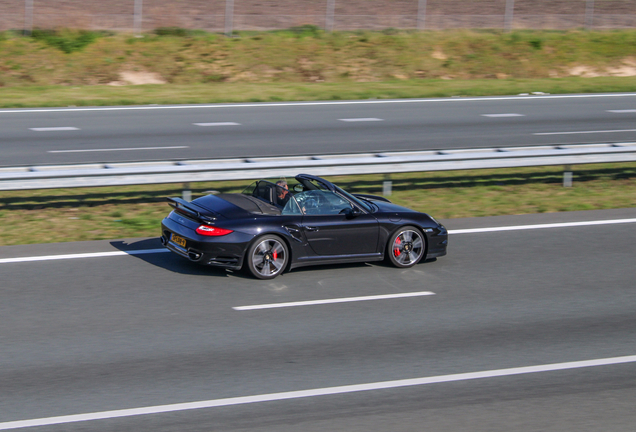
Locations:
{"points": [[66, 67], [101, 95], [61, 215]]}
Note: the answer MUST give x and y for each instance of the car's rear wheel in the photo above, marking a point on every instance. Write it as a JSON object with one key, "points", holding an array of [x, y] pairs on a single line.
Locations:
{"points": [[406, 247], [267, 257]]}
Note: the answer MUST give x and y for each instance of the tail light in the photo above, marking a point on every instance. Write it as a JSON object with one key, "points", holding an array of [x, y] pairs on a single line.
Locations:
{"points": [[211, 231]]}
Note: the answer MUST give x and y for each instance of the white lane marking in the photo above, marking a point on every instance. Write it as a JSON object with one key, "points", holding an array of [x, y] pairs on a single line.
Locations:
{"points": [[325, 391], [362, 119], [460, 231], [542, 226], [338, 300], [622, 111], [503, 115], [54, 129], [83, 255], [585, 132], [217, 124], [118, 149], [285, 104]]}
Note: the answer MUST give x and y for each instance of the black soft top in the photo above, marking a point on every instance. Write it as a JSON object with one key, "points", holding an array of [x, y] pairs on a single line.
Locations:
{"points": [[250, 204]]}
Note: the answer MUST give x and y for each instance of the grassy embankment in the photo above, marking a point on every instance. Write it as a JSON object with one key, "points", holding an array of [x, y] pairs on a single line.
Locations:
{"points": [[74, 68], [108, 213]]}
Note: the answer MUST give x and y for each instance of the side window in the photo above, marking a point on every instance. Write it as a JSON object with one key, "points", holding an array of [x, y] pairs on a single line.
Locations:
{"points": [[291, 208]]}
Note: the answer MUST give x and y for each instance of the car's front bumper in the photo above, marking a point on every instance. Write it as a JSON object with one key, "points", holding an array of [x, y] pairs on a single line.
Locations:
{"points": [[437, 241]]}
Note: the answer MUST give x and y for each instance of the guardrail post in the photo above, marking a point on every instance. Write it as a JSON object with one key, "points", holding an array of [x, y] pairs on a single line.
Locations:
{"points": [[589, 14], [28, 17], [229, 17], [186, 194], [137, 19], [567, 176], [509, 15], [387, 185], [330, 18], [421, 14]]}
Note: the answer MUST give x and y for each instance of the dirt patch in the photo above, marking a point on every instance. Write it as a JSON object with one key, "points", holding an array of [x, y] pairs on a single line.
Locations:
{"points": [[583, 71], [138, 78], [626, 69], [439, 55]]}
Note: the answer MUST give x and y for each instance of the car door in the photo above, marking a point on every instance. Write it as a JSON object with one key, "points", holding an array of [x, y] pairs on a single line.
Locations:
{"points": [[332, 229]]}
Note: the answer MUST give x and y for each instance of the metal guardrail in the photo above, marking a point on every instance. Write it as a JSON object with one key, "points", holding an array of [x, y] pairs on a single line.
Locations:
{"points": [[187, 171]]}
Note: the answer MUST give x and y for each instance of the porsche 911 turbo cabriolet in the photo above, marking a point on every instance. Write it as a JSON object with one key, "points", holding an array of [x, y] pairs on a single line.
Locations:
{"points": [[270, 228]]}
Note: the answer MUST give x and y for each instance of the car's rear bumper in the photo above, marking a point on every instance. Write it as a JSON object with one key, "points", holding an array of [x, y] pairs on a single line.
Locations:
{"points": [[226, 252]]}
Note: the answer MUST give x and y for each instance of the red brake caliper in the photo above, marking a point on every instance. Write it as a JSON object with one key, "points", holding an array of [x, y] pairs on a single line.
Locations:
{"points": [[275, 255], [396, 251]]}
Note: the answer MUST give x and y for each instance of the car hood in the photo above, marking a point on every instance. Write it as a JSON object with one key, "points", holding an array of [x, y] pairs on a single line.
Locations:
{"points": [[390, 207]]}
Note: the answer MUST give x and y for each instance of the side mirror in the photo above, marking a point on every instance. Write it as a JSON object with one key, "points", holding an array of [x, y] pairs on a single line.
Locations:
{"points": [[298, 188], [351, 212]]}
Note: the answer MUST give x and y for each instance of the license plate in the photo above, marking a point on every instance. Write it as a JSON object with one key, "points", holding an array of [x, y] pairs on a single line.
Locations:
{"points": [[178, 240]]}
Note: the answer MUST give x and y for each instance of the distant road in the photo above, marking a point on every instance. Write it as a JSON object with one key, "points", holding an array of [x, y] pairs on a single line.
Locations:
{"points": [[109, 134], [116, 331]]}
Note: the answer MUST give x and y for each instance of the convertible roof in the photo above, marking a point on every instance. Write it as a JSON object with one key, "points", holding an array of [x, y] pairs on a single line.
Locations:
{"points": [[250, 204]]}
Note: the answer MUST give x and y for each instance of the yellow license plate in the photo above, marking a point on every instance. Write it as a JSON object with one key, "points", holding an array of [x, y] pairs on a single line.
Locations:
{"points": [[178, 240]]}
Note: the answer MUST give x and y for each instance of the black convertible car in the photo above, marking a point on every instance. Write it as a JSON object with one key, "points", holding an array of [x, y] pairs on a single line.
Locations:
{"points": [[271, 227]]}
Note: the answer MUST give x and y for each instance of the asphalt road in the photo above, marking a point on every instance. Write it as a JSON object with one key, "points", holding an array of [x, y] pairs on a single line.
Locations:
{"points": [[116, 332], [79, 135]]}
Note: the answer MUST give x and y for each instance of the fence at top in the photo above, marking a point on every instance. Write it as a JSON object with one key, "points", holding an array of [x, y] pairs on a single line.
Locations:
{"points": [[228, 15]]}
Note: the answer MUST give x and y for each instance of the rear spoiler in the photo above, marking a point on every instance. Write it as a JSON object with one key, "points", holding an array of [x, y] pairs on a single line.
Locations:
{"points": [[190, 209]]}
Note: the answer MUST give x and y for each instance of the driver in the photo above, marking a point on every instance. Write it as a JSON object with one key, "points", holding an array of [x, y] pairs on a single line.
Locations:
{"points": [[282, 193]]}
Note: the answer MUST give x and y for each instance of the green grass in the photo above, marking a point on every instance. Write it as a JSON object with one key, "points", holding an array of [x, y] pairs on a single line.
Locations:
{"points": [[60, 215], [54, 96], [72, 68], [66, 41]]}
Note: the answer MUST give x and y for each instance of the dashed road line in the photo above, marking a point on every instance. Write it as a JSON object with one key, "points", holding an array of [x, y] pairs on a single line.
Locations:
{"points": [[325, 391], [585, 132], [504, 115], [622, 111], [54, 129], [362, 119], [217, 124], [118, 149]]}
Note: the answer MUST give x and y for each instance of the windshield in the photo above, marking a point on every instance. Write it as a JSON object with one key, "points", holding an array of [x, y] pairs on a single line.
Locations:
{"points": [[308, 196], [362, 204], [332, 201]]}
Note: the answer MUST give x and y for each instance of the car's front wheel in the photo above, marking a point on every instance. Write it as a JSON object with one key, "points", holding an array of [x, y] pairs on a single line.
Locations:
{"points": [[267, 257], [406, 247]]}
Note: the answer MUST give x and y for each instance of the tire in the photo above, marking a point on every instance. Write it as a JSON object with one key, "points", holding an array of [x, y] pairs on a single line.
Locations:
{"points": [[267, 257], [406, 247]]}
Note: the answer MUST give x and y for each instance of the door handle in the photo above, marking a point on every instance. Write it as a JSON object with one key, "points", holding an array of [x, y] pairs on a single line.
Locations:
{"points": [[309, 228]]}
